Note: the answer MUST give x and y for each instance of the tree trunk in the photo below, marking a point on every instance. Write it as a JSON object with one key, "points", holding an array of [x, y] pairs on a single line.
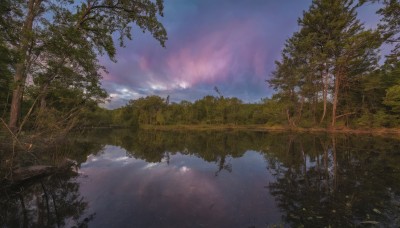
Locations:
{"points": [[324, 94], [315, 104], [43, 95], [335, 98], [300, 111], [16, 100], [335, 173], [20, 71], [288, 117], [43, 103]]}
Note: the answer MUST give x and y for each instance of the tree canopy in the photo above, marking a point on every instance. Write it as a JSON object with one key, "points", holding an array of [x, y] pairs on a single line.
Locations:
{"points": [[57, 43], [332, 62]]}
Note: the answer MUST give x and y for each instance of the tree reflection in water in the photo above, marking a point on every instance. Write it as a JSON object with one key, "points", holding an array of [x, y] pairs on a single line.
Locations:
{"points": [[316, 180], [319, 179], [54, 201], [337, 181]]}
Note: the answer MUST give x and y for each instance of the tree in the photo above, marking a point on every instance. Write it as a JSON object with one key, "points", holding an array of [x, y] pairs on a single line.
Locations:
{"points": [[392, 98], [6, 56], [149, 109], [285, 81], [390, 26], [90, 23], [331, 50]]}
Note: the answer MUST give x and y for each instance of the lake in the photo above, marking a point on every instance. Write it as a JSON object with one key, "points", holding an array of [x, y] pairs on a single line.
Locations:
{"points": [[214, 179]]}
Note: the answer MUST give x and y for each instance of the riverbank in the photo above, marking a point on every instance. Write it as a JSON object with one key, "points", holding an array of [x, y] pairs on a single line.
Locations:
{"points": [[260, 127]]}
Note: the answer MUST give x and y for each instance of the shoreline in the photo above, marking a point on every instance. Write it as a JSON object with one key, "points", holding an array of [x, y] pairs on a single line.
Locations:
{"points": [[264, 128]]}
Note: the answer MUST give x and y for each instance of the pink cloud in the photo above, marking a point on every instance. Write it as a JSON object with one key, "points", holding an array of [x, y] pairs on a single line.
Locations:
{"points": [[226, 52], [144, 64], [216, 56], [260, 61]]}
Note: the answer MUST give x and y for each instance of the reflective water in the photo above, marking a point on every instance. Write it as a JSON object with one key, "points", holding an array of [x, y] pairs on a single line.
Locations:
{"points": [[216, 179]]}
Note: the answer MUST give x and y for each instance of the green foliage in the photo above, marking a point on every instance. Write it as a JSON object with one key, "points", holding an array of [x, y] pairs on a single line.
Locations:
{"points": [[6, 58], [148, 109], [330, 66], [392, 98], [57, 43], [125, 117], [383, 119], [5, 83], [390, 26], [155, 110]]}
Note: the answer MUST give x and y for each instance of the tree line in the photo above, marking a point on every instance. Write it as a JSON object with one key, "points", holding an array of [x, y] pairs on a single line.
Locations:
{"points": [[209, 110]]}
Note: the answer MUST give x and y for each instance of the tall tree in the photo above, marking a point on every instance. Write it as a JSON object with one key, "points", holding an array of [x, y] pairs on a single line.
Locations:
{"points": [[390, 25], [331, 50], [5, 56], [89, 25], [286, 81]]}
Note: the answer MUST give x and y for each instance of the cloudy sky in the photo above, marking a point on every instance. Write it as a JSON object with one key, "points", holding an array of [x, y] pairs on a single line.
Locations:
{"points": [[231, 44]]}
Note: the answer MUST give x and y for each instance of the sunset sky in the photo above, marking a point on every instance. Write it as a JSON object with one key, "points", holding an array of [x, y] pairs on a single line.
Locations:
{"points": [[231, 44]]}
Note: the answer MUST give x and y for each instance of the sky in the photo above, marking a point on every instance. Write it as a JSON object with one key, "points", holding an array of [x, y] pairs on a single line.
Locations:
{"points": [[228, 44]]}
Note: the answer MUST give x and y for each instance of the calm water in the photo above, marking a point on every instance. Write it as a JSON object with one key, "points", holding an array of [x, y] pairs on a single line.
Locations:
{"points": [[215, 179]]}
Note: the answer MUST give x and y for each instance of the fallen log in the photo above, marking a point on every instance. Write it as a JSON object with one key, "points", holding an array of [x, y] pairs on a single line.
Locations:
{"points": [[23, 175], [26, 173]]}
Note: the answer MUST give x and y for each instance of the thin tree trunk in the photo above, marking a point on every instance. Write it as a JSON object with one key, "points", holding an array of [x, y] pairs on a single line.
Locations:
{"points": [[19, 80], [301, 109], [43, 95], [325, 148], [24, 212], [304, 163], [55, 209], [315, 104], [324, 94], [20, 70], [335, 98], [288, 118], [26, 117], [335, 173], [47, 204]]}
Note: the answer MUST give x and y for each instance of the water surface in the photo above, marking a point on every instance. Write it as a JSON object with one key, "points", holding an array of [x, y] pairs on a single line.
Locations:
{"points": [[216, 179]]}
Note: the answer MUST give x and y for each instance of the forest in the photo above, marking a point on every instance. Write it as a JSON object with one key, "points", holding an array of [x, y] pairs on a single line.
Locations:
{"points": [[331, 73]]}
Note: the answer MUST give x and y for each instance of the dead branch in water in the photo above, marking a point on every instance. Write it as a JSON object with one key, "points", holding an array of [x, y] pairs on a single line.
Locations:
{"points": [[23, 175]]}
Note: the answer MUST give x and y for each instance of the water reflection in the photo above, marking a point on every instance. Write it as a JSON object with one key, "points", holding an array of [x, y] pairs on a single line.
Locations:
{"points": [[338, 181], [50, 202], [233, 179], [293, 179], [181, 193]]}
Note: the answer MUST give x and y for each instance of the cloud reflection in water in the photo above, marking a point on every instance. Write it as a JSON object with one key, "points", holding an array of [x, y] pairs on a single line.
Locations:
{"points": [[129, 192]]}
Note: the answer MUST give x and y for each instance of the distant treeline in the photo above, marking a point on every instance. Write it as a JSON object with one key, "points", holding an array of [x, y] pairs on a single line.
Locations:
{"points": [[219, 110], [154, 110]]}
